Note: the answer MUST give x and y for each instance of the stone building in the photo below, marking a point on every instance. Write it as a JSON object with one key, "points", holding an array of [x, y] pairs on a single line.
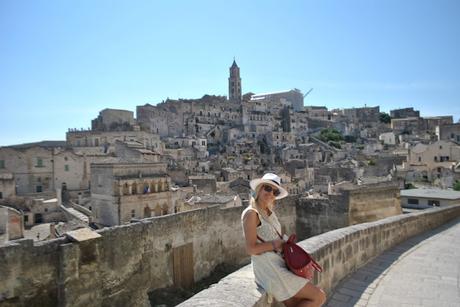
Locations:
{"points": [[234, 84], [292, 98], [404, 113], [114, 120], [105, 140], [36, 210], [388, 138], [431, 161], [362, 115], [433, 154], [409, 125], [318, 112], [11, 224], [430, 123], [7, 185], [124, 191], [44, 167], [428, 198], [32, 165], [449, 132]]}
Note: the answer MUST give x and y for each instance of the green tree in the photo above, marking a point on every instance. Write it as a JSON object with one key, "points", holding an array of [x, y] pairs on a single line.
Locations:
{"points": [[457, 185], [385, 118], [330, 134]]}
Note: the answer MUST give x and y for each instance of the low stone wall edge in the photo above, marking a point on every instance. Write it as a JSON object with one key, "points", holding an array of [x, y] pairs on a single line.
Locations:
{"points": [[340, 252]]}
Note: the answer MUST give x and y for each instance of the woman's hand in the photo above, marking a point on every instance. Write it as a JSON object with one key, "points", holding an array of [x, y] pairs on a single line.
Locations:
{"points": [[278, 245]]}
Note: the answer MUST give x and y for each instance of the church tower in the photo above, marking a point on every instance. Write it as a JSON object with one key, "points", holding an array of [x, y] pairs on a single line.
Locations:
{"points": [[234, 83]]}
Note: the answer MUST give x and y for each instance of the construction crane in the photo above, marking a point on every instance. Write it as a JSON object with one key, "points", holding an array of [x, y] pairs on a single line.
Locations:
{"points": [[308, 93]]}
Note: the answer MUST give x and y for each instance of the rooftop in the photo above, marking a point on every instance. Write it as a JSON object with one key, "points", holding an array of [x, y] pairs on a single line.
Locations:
{"points": [[45, 144], [431, 193]]}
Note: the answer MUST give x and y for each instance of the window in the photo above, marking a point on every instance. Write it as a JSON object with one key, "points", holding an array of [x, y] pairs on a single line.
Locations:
{"points": [[39, 189], [440, 146], [133, 213], [412, 201], [433, 203], [444, 158], [420, 159], [66, 167], [1, 195], [2, 164], [26, 218], [39, 162], [46, 209], [435, 159]]}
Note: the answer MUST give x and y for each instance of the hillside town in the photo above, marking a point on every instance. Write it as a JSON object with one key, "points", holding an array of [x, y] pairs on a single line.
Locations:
{"points": [[180, 155]]}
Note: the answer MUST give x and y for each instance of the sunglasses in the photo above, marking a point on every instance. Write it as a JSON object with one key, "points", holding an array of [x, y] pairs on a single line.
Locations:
{"points": [[269, 189]]}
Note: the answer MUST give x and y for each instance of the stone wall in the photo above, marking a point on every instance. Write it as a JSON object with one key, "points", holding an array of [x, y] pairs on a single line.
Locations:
{"points": [[340, 252], [319, 215], [126, 262], [357, 204], [372, 203]]}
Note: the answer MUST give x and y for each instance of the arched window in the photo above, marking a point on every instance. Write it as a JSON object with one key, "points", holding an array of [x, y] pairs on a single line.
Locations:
{"points": [[147, 212], [157, 210], [126, 189], [165, 209], [134, 188]]}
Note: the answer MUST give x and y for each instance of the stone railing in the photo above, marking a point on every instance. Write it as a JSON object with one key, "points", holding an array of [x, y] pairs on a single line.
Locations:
{"points": [[340, 252]]}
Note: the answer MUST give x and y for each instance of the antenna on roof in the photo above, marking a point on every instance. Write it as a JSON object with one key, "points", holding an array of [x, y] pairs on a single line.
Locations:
{"points": [[308, 93]]}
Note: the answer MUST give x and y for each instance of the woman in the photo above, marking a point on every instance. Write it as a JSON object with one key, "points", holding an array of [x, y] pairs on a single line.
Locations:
{"points": [[270, 271]]}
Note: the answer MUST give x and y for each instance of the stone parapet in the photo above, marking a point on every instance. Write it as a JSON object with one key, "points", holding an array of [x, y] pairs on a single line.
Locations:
{"points": [[340, 252]]}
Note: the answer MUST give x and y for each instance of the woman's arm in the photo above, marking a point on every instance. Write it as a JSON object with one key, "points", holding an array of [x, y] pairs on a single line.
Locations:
{"points": [[250, 222]]}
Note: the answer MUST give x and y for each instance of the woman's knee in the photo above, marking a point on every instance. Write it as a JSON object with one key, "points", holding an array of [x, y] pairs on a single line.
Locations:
{"points": [[322, 296], [312, 292]]}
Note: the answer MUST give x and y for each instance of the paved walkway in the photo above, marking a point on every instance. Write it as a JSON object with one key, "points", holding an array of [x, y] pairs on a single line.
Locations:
{"points": [[422, 271]]}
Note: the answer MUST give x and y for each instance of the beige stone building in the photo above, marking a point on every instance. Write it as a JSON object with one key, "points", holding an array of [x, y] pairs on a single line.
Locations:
{"points": [[43, 168], [426, 198], [437, 154], [449, 132], [32, 165], [11, 224], [407, 125], [124, 191], [7, 185], [292, 98], [431, 160], [105, 140], [388, 138], [234, 83]]}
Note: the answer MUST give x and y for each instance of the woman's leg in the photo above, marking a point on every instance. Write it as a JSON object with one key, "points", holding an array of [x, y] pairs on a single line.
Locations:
{"points": [[308, 296]]}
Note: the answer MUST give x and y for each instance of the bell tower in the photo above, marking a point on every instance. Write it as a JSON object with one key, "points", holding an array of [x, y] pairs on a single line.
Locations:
{"points": [[234, 83]]}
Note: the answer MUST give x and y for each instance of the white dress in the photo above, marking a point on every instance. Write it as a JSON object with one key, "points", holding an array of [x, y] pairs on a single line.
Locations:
{"points": [[270, 270]]}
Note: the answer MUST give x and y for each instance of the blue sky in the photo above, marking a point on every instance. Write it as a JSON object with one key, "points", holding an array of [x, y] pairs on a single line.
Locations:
{"points": [[61, 62]]}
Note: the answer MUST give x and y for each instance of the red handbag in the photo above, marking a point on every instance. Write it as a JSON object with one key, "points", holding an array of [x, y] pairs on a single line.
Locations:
{"points": [[298, 260]]}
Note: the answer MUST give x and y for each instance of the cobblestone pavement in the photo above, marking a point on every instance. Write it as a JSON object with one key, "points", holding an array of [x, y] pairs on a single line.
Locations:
{"points": [[422, 271]]}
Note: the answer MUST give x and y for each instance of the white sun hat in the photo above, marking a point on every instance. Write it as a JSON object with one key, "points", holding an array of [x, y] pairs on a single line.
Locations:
{"points": [[271, 179]]}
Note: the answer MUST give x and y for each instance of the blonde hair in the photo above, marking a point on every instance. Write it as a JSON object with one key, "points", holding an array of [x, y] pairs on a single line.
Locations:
{"points": [[253, 200]]}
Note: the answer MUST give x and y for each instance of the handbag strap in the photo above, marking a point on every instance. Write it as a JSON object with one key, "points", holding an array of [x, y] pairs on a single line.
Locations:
{"points": [[316, 265], [276, 230], [266, 221]]}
